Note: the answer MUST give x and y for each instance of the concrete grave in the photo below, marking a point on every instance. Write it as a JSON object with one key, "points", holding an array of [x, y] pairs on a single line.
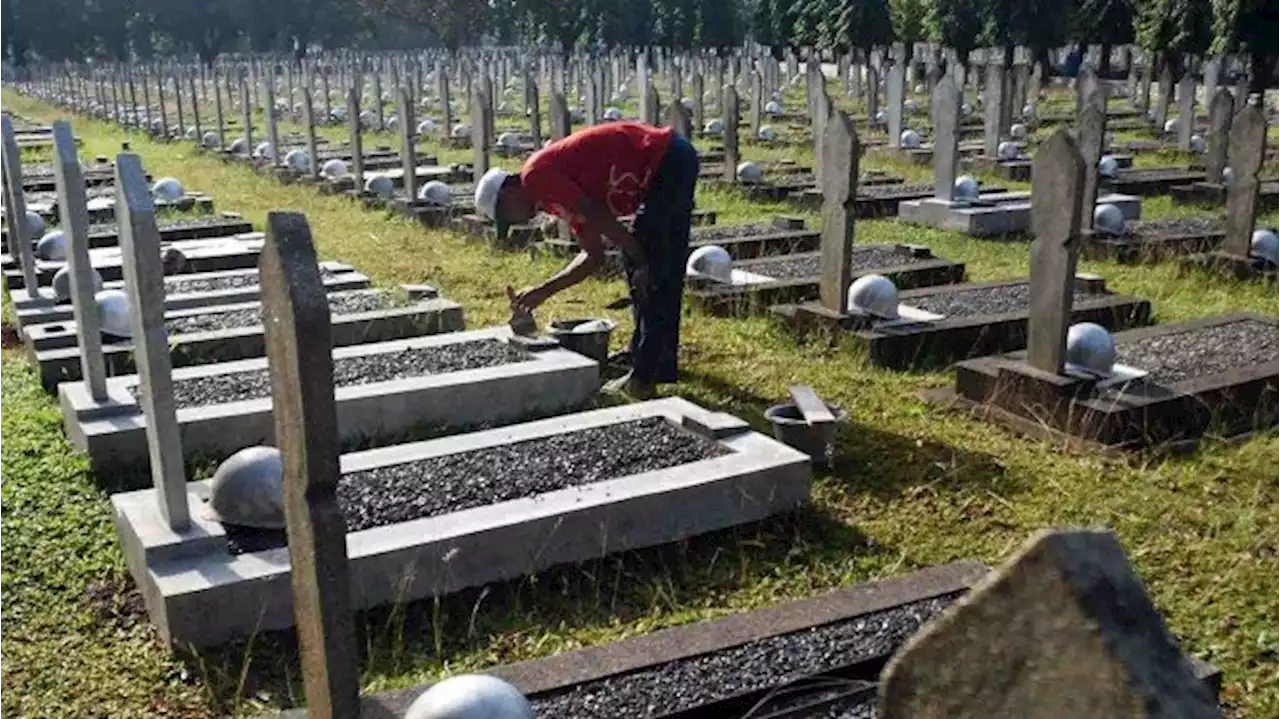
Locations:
{"points": [[200, 590], [453, 379], [196, 227]]}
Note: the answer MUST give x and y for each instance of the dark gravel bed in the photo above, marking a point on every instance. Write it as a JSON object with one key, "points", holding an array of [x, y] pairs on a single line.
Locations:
{"points": [[1200, 352], [180, 284], [1182, 226], [1152, 173], [182, 223], [339, 304], [981, 300], [703, 235], [789, 267], [887, 191], [348, 371], [440, 485], [791, 179], [768, 662]]}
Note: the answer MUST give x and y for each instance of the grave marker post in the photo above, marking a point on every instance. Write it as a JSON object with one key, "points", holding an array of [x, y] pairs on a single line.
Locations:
{"points": [[730, 97], [1086, 85], [446, 112], [894, 93], [1057, 181], [992, 105], [246, 115], [1165, 96], [146, 101], [328, 97], [15, 208], [873, 87], [378, 110], [408, 154], [944, 109], [309, 121], [699, 107], [1221, 108], [1091, 133], [1186, 104], [299, 347], [677, 118], [653, 105], [1245, 150], [757, 102], [1212, 71], [839, 197], [269, 108], [1064, 628], [177, 102], [821, 114], [164, 115], [479, 134], [535, 114], [195, 108], [561, 124], [144, 282], [218, 118], [357, 140], [74, 213]]}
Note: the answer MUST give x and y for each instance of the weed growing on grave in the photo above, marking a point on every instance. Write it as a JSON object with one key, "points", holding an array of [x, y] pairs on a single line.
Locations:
{"points": [[911, 485]]}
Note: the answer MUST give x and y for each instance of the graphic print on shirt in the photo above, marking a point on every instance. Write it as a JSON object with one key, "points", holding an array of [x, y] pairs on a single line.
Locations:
{"points": [[624, 186]]}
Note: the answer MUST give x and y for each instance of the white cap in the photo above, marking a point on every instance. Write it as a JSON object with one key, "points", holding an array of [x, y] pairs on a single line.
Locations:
{"points": [[487, 192]]}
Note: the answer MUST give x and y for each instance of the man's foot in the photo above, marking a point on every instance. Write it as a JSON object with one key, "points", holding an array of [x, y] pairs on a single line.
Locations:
{"points": [[630, 386]]}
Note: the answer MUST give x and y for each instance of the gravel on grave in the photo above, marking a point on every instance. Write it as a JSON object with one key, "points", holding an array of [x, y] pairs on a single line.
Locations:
{"points": [[758, 665], [1200, 352], [1143, 174], [440, 485], [1176, 227], [703, 235], [809, 264], [348, 371], [339, 304], [182, 284], [878, 192], [982, 300], [181, 223]]}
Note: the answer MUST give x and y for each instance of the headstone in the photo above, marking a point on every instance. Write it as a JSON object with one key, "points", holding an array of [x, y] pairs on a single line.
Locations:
{"points": [[535, 113], [324, 88], [1086, 85], [195, 106], [894, 93], [873, 91], [1245, 150], [561, 124], [408, 144], [378, 110], [757, 101], [992, 106], [592, 106], [356, 138], [839, 196], [821, 115], [1091, 132], [643, 82], [1057, 181], [446, 113], [217, 110], [177, 103], [1186, 107], [945, 112], [1221, 109], [1165, 96], [146, 104], [273, 126], [309, 123], [15, 207], [699, 107], [1212, 70], [74, 213], [144, 281], [730, 95], [652, 104], [479, 136], [1064, 628], [299, 347], [246, 114], [164, 115], [677, 118], [1131, 79]]}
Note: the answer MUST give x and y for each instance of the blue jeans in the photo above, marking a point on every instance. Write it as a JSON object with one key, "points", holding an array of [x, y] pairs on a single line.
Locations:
{"points": [[662, 229]]}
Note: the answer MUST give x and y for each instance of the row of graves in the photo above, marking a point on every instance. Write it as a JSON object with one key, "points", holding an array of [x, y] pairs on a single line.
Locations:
{"points": [[293, 532]]}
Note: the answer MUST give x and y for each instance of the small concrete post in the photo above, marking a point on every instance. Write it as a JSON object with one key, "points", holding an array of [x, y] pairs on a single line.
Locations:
{"points": [[144, 281], [324, 87], [177, 102], [1064, 628], [592, 105], [164, 115], [1245, 150], [408, 142], [479, 134], [446, 112], [699, 107], [894, 93], [218, 117], [873, 89], [1057, 181], [839, 197], [146, 102], [1221, 109], [1186, 105], [246, 115], [757, 103], [273, 126], [730, 98], [357, 139], [535, 113], [309, 124], [195, 107], [300, 361], [74, 212], [15, 209], [945, 112], [1091, 132], [378, 109]]}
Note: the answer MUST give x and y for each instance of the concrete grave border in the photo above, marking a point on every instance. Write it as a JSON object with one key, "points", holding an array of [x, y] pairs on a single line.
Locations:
{"points": [[197, 592]]}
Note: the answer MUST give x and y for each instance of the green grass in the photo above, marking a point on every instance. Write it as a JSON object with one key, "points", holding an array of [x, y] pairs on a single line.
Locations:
{"points": [[912, 487]]}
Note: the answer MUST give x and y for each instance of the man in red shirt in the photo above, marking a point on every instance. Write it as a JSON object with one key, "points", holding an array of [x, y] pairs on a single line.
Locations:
{"points": [[590, 179]]}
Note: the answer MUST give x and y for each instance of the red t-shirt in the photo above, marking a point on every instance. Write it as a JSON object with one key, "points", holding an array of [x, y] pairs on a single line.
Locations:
{"points": [[611, 163]]}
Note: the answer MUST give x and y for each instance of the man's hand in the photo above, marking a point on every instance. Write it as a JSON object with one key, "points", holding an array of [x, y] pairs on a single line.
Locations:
{"points": [[527, 299]]}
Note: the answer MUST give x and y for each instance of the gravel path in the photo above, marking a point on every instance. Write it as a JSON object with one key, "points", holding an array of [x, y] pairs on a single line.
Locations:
{"points": [[348, 371], [981, 300], [788, 267], [339, 304], [440, 485], [761, 664], [1200, 352]]}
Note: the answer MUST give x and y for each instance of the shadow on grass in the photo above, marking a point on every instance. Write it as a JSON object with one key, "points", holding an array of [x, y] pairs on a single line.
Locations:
{"points": [[496, 624]]}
